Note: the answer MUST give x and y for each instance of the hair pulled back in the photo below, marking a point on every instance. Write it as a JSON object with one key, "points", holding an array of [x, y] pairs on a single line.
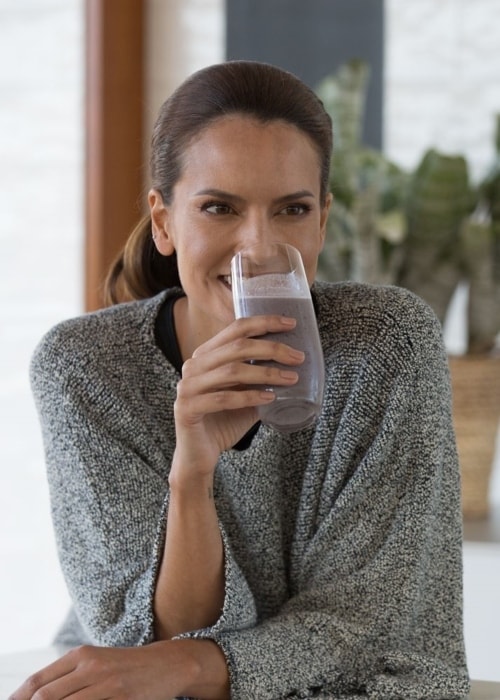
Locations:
{"points": [[250, 88]]}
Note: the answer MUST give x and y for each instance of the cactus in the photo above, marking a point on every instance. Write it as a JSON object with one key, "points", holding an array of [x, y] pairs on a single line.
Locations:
{"points": [[438, 200], [427, 231]]}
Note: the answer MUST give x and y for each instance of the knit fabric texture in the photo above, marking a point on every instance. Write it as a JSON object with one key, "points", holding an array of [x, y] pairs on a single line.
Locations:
{"points": [[342, 542]]}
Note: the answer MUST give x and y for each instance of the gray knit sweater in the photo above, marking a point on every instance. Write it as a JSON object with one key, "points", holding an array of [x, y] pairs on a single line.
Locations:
{"points": [[342, 542]]}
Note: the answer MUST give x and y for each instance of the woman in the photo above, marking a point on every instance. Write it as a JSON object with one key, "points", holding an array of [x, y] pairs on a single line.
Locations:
{"points": [[207, 555]]}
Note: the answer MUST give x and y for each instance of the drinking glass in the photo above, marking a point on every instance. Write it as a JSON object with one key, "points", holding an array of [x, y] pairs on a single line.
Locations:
{"points": [[270, 279]]}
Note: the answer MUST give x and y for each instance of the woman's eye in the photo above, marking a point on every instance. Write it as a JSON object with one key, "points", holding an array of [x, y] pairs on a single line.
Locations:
{"points": [[217, 208], [295, 209]]}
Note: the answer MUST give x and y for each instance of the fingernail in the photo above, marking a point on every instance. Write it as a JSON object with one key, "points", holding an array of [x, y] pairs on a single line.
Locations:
{"points": [[288, 375], [296, 354], [286, 321]]}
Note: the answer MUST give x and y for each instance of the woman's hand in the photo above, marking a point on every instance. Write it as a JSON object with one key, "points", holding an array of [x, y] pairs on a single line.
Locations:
{"points": [[98, 673], [220, 390], [158, 671]]}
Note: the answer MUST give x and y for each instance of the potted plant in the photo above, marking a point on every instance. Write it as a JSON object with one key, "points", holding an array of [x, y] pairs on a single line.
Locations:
{"points": [[428, 231]]}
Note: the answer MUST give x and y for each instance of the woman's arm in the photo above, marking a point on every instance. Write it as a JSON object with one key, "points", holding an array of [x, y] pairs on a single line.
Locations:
{"points": [[212, 412], [105, 405], [189, 591], [105, 536]]}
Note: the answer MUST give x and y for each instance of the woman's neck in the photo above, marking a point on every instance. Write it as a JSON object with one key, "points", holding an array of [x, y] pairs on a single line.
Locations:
{"points": [[190, 335]]}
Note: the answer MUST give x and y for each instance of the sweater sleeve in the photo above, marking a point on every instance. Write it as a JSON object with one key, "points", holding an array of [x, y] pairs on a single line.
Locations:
{"points": [[107, 463], [375, 572]]}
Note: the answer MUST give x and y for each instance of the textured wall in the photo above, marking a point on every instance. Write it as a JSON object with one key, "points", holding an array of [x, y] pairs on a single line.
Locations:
{"points": [[183, 36], [442, 79], [41, 230]]}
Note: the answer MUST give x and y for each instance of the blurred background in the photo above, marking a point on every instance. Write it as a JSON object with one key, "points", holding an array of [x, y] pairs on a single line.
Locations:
{"points": [[81, 82]]}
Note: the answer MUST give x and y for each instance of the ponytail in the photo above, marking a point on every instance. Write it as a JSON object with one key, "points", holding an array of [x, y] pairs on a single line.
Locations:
{"points": [[140, 271]]}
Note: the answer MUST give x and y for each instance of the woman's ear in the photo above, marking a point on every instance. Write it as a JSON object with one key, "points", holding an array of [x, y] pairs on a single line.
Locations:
{"points": [[160, 223]]}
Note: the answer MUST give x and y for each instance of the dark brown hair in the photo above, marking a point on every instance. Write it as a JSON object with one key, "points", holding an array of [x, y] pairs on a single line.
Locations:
{"points": [[250, 88]]}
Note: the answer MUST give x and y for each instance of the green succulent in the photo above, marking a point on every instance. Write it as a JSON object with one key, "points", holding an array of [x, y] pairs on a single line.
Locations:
{"points": [[428, 230]]}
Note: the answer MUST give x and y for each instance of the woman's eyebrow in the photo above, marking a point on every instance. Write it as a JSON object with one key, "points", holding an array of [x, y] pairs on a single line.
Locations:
{"points": [[300, 194], [222, 194]]}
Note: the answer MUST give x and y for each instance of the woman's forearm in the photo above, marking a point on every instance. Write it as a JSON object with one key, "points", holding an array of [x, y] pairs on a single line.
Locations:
{"points": [[211, 677], [190, 587]]}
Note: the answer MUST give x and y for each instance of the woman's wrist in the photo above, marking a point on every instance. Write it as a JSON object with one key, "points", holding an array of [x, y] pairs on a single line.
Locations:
{"points": [[202, 666], [190, 483], [187, 475]]}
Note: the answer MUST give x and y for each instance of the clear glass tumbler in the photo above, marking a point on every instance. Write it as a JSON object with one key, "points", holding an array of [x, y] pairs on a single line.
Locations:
{"points": [[270, 279]]}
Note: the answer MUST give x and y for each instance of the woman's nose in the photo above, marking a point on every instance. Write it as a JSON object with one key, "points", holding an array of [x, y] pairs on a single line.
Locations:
{"points": [[257, 230]]}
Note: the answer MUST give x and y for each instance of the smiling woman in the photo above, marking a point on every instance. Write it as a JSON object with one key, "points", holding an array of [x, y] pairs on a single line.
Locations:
{"points": [[207, 555], [276, 196]]}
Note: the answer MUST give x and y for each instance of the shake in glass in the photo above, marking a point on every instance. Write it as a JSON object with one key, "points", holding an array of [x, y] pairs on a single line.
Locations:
{"points": [[271, 279]]}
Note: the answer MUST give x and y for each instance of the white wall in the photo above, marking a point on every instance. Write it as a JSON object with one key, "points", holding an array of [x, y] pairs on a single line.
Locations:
{"points": [[482, 608], [442, 79], [183, 36], [40, 281]]}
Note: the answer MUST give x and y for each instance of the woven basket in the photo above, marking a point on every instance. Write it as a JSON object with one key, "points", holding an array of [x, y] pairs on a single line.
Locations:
{"points": [[476, 414]]}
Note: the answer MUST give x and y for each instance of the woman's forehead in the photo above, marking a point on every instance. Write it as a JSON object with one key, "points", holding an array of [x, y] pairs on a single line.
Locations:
{"points": [[236, 141]]}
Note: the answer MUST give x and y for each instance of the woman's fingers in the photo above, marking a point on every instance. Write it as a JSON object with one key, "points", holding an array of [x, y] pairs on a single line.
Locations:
{"points": [[53, 679], [218, 401], [242, 350], [230, 370], [236, 383], [236, 376], [224, 382], [99, 673], [251, 327], [223, 390], [242, 361]]}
